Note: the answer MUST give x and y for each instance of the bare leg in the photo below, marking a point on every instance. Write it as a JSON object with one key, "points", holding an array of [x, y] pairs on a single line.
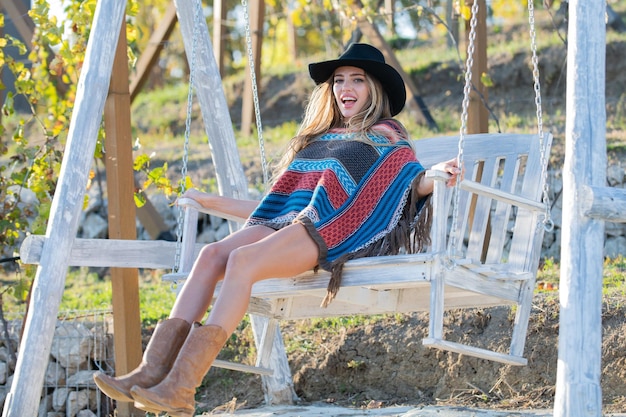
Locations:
{"points": [[195, 297], [285, 253]]}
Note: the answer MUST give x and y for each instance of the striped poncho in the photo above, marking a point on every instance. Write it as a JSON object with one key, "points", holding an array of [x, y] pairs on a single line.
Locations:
{"points": [[355, 199]]}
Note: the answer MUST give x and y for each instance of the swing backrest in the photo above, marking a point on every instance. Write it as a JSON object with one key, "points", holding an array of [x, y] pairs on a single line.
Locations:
{"points": [[490, 231]]}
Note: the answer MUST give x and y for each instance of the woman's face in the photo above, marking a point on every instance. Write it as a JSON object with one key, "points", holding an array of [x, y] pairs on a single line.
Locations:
{"points": [[351, 90]]}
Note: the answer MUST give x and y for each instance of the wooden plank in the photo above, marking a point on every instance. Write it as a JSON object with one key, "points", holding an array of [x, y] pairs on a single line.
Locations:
{"points": [[496, 194], [67, 204], [257, 16], [578, 388], [119, 253], [21, 20], [234, 366], [476, 352], [477, 114], [502, 214], [604, 203], [219, 33], [121, 215], [151, 55]]}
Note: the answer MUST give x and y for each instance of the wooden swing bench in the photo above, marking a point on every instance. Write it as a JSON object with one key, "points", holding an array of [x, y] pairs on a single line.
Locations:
{"points": [[500, 233]]}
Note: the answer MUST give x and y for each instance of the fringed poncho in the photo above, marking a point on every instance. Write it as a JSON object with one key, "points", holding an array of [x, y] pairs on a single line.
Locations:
{"points": [[355, 199]]}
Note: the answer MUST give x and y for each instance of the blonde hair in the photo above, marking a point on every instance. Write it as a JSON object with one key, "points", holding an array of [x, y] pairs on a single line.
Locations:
{"points": [[322, 114]]}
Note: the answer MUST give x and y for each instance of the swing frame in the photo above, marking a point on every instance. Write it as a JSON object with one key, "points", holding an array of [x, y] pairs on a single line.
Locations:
{"points": [[509, 282]]}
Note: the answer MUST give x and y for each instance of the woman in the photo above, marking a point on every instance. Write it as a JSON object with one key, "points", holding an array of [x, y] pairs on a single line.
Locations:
{"points": [[349, 186]]}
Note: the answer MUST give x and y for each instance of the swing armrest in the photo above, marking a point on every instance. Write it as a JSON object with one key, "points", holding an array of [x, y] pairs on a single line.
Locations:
{"points": [[509, 198], [486, 191], [191, 203], [437, 175]]}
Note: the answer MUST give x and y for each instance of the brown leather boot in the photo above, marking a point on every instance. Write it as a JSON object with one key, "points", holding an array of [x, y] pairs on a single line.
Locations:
{"points": [[175, 395], [167, 339]]}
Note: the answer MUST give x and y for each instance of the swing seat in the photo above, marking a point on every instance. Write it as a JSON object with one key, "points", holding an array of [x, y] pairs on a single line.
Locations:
{"points": [[499, 231]]}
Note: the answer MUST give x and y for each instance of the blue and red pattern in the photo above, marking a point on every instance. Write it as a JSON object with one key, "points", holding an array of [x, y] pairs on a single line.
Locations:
{"points": [[349, 193]]}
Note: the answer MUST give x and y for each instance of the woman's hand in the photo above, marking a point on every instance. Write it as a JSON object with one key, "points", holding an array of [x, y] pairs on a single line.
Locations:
{"points": [[451, 167], [202, 198]]}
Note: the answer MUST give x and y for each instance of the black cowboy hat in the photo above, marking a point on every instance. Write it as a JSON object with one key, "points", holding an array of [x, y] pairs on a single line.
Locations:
{"points": [[372, 61]]}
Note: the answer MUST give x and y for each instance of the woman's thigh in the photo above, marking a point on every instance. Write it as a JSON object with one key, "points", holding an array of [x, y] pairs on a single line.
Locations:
{"points": [[284, 253]]}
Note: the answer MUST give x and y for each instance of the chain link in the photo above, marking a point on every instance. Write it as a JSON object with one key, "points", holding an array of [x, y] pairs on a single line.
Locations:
{"points": [[548, 223], [453, 242], [197, 14], [255, 93]]}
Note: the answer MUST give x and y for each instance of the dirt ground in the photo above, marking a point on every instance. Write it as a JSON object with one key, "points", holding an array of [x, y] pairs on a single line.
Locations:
{"points": [[383, 363]]}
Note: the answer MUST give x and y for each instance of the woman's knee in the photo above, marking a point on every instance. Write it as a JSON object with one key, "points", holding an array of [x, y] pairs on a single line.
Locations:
{"points": [[212, 256], [243, 261]]}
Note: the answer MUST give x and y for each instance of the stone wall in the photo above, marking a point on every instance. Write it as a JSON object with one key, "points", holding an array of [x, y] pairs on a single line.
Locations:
{"points": [[615, 233], [79, 349]]}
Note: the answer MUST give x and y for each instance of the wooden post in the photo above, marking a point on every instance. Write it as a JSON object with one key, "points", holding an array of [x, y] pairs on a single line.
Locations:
{"points": [[257, 15], [578, 390], [390, 9], [122, 223], [477, 115], [231, 179], [18, 13], [219, 33], [34, 353], [452, 20], [150, 56], [291, 33]]}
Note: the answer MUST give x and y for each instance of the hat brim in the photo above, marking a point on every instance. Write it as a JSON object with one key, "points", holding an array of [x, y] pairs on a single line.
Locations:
{"points": [[387, 75]]}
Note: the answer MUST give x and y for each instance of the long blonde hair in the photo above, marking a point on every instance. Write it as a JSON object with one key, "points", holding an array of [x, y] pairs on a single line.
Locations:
{"points": [[322, 114]]}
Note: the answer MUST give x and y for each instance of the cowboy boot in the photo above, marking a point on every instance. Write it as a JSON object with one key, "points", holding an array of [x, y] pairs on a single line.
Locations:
{"points": [[167, 339], [176, 393]]}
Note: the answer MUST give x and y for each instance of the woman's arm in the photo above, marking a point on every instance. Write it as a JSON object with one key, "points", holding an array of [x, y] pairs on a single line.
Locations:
{"points": [[451, 167], [232, 206]]}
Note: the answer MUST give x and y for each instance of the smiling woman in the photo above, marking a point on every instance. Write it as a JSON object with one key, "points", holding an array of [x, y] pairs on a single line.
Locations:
{"points": [[350, 186]]}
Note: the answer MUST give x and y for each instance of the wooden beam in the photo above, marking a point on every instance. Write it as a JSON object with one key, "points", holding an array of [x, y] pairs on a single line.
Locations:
{"points": [[257, 16], [219, 33], [122, 223], [578, 389], [604, 203], [24, 25], [477, 114], [23, 398], [150, 56]]}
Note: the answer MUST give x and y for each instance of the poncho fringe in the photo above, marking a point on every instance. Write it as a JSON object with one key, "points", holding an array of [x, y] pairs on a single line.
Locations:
{"points": [[411, 234]]}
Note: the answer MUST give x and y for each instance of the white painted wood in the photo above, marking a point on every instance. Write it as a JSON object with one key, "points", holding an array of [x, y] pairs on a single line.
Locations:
{"points": [[233, 366], [578, 389], [23, 398], [476, 352], [604, 203]]}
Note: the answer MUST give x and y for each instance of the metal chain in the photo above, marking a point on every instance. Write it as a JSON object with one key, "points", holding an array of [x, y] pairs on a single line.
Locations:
{"points": [[452, 244], [548, 223], [255, 93], [197, 14]]}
